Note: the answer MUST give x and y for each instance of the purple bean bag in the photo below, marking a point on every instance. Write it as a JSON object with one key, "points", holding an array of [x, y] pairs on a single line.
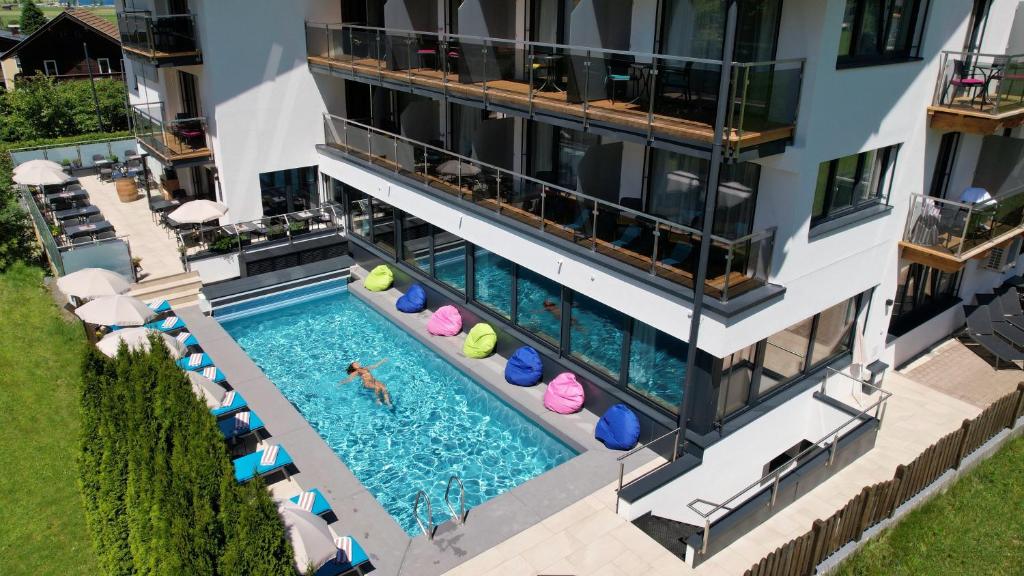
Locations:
{"points": [[619, 428], [564, 394], [445, 322]]}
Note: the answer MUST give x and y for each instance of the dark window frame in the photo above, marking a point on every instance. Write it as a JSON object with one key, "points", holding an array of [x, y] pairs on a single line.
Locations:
{"points": [[910, 51], [889, 158]]}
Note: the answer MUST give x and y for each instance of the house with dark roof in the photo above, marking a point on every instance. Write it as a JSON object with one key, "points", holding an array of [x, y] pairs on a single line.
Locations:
{"points": [[59, 47]]}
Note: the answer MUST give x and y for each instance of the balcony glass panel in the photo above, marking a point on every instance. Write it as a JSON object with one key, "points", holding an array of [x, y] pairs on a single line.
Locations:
{"points": [[181, 136], [990, 84], [956, 227], [158, 36]]}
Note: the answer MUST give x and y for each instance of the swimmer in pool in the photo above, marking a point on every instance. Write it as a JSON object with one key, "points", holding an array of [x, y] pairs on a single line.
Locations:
{"points": [[355, 370], [553, 309]]}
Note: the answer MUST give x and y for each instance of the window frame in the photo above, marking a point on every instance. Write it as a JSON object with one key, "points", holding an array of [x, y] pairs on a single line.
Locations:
{"points": [[99, 64], [909, 51], [46, 68], [886, 157]]}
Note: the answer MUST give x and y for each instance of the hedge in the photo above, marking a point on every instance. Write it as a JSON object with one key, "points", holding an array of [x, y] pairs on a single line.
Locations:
{"points": [[157, 480]]}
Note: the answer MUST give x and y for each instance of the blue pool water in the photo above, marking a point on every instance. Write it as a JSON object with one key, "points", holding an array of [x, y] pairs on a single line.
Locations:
{"points": [[442, 423]]}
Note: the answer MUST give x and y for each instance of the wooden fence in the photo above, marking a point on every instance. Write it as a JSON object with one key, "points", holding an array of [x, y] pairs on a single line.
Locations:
{"points": [[800, 556]]}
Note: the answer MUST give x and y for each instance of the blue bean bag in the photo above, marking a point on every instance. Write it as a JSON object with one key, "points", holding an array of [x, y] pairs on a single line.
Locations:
{"points": [[415, 300], [524, 368], [619, 428]]}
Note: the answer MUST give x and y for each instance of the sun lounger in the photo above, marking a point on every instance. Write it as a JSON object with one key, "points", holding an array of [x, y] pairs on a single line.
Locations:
{"points": [[996, 311], [253, 465], [352, 558], [241, 424], [981, 330], [195, 362], [233, 402], [169, 324], [160, 306], [312, 501], [187, 339], [214, 374]]}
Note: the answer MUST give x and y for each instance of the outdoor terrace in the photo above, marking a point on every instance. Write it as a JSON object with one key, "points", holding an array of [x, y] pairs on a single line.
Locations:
{"points": [[652, 245], [162, 40], [653, 96], [978, 93], [178, 141]]}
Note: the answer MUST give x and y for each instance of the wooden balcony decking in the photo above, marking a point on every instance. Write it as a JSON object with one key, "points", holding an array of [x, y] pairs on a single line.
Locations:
{"points": [[977, 117], [943, 255], [517, 94], [170, 148], [158, 57]]}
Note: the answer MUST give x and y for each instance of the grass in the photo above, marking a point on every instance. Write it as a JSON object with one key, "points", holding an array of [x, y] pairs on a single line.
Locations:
{"points": [[975, 528], [43, 529], [14, 16]]}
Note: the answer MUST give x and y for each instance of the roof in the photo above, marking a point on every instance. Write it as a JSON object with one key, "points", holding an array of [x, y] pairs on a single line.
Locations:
{"points": [[80, 16]]}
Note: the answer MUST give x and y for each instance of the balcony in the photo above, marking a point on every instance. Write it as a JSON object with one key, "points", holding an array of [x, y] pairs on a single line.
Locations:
{"points": [[944, 234], [655, 97], [177, 142], [639, 242], [160, 40], [978, 93]]}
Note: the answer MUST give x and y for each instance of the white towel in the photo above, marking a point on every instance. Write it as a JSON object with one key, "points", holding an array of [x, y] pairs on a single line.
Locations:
{"points": [[170, 322], [306, 500], [195, 360], [269, 456], [344, 544], [210, 372], [229, 399], [242, 421]]}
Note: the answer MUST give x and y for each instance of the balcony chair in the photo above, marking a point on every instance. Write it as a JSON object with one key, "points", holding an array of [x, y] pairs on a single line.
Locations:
{"points": [[619, 74], [967, 77]]}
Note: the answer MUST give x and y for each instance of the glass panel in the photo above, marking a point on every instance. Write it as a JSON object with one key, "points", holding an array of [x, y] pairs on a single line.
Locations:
{"points": [[843, 182], [596, 335], [864, 190], [450, 259], [821, 191], [785, 355], [873, 18], [383, 226], [835, 325], [492, 282], [737, 374], [657, 366], [416, 242], [358, 213], [849, 20], [539, 309], [286, 191]]}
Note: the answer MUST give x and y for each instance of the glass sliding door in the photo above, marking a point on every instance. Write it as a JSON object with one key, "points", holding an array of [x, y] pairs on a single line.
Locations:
{"points": [[737, 374], [450, 260], [358, 213], [785, 355], [596, 335], [539, 305], [383, 225], [416, 240], [492, 282], [833, 334], [657, 366]]}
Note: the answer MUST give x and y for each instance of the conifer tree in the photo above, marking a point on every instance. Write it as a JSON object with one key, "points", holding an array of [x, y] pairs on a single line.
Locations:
{"points": [[32, 18]]}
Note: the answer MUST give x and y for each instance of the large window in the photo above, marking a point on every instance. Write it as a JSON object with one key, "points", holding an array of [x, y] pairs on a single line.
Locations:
{"points": [[738, 371], [450, 260], [287, 191], [922, 293], [851, 183], [383, 225], [416, 239], [539, 305], [833, 331], [596, 335], [358, 213], [657, 366], [492, 282], [785, 355], [876, 31]]}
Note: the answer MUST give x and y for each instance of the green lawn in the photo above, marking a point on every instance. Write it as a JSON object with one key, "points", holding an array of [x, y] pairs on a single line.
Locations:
{"points": [[42, 522], [975, 528], [13, 16]]}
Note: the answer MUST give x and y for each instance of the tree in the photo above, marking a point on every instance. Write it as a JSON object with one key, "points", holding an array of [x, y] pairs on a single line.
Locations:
{"points": [[32, 18], [16, 240]]}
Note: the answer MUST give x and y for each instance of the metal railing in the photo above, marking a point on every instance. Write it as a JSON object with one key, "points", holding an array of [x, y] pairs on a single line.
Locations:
{"points": [[156, 36], [654, 245], [168, 137], [958, 227], [986, 83], [235, 238], [427, 527], [829, 441], [647, 93], [460, 516], [622, 462]]}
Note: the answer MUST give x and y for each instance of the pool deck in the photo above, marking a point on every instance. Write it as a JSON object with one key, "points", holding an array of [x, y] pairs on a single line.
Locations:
{"points": [[566, 489]]}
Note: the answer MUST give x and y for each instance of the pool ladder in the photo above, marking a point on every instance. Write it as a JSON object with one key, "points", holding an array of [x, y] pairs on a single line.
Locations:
{"points": [[429, 527]]}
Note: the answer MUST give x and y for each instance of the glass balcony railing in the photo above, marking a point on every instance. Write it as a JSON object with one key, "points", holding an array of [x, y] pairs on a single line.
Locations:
{"points": [[184, 137], [667, 97], [988, 84], [158, 36], [653, 245], [956, 228], [197, 242]]}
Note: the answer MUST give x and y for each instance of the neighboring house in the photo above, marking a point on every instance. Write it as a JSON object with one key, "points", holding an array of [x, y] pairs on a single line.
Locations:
{"points": [[9, 40], [58, 49]]}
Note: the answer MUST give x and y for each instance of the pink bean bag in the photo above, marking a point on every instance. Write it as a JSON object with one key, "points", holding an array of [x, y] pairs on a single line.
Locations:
{"points": [[564, 394], [445, 322]]}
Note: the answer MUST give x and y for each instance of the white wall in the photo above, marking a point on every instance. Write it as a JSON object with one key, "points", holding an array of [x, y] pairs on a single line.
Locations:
{"points": [[216, 268]]}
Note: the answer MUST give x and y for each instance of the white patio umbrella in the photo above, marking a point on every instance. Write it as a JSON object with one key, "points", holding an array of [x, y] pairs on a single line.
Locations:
{"points": [[116, 310], [39, 175], [311, 538], [198, 212], [38, 163], [207, 390], [93, 283], [137, 339]]}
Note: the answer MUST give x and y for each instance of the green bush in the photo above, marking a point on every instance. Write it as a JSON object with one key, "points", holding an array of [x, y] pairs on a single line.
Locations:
{"points": [[157, 480], [40, 107]]}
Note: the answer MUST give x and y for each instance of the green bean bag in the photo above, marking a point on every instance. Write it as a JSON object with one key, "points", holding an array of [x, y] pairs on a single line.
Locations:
{"points": [[480, 341], [379, 279]]}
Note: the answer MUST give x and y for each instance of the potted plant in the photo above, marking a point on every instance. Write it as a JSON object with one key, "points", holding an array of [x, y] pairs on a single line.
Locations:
{"points": [[245, 239], [113, 158], [223, 245], [298, 227], [276, 231], [137, 265], [66, 165], [54, 230]]}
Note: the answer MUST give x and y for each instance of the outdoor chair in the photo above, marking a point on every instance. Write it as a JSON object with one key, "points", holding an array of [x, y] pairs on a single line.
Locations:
{"points": [[312, 501], [195, 362], [253, 465], [981, 331], [233, 402], [967, 78], [240, 425], [167, 325]]}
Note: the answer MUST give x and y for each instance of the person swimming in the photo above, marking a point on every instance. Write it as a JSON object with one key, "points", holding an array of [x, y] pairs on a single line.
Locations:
{"points": [[355, 370]]}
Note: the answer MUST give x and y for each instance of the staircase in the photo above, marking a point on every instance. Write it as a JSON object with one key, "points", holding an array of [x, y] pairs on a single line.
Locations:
{"points": [[179, 289]]}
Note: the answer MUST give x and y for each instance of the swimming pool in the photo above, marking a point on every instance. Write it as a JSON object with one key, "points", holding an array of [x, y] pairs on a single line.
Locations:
{"points": [[442, 423]]}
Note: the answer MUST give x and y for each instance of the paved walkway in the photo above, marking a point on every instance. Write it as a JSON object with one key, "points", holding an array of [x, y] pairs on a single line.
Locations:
{"points": [[148, 241], [962, 372]]}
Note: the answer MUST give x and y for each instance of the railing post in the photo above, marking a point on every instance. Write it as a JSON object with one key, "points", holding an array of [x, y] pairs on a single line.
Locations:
{"points": [[395, 159], [650, 99], [408, 61], [543, 207], [497, 193], [832, 450], [728, 271], [622, 471], [675, 445], [483, 53], [593, 236], [707, 537], [586, 89], [654, 260], [963, 233], [379, 58], [529, 64], [775, 491], [288, 228]]}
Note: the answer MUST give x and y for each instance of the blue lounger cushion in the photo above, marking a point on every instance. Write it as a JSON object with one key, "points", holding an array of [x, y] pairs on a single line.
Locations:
{"points": [[213, 373], [248, 467], [415, 300], [334, 568], [237, 403], [195, 362], [619, 428], [160, 306], [230, 431], [169, 324], [524, 367], [320, 505], [187, 339]]}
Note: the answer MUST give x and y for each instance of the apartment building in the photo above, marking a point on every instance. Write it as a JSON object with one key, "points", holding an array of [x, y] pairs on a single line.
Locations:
{"points": [[547, 164]]}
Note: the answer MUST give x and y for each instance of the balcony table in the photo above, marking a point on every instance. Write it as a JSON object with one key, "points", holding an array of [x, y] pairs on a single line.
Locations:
{"points": [[77, 194], [90, 229], [81, 212]]}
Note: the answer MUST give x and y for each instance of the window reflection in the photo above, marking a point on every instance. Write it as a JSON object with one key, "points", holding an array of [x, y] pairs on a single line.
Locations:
{"points": [[416, 234], [286, 191], [492, 282], [539, 309], [450, 259], [737, 374], [596, 335], [383, 225], [358, 213], [835, 326], [785, 355], [657, 366]]}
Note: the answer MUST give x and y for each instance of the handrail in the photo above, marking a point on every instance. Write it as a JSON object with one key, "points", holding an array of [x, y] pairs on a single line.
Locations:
{"points": [[70, 144], [983, 54], [459, 518], [422, 496], [622, 464], [775, 476], [337, 224]]}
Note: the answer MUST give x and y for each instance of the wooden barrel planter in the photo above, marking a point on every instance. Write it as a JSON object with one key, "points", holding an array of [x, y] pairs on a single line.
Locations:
{"points": [[127, 190]]}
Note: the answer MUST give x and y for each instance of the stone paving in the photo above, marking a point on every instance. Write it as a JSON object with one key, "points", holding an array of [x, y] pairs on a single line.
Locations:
{"points": [[964, 372]]}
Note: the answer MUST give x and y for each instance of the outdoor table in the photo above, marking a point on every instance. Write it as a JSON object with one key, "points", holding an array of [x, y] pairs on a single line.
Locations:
{"points": [[81, 212], [90, 229], [455, 168], [164, 205], [549, 64], [67, 195], [303, 216]]}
